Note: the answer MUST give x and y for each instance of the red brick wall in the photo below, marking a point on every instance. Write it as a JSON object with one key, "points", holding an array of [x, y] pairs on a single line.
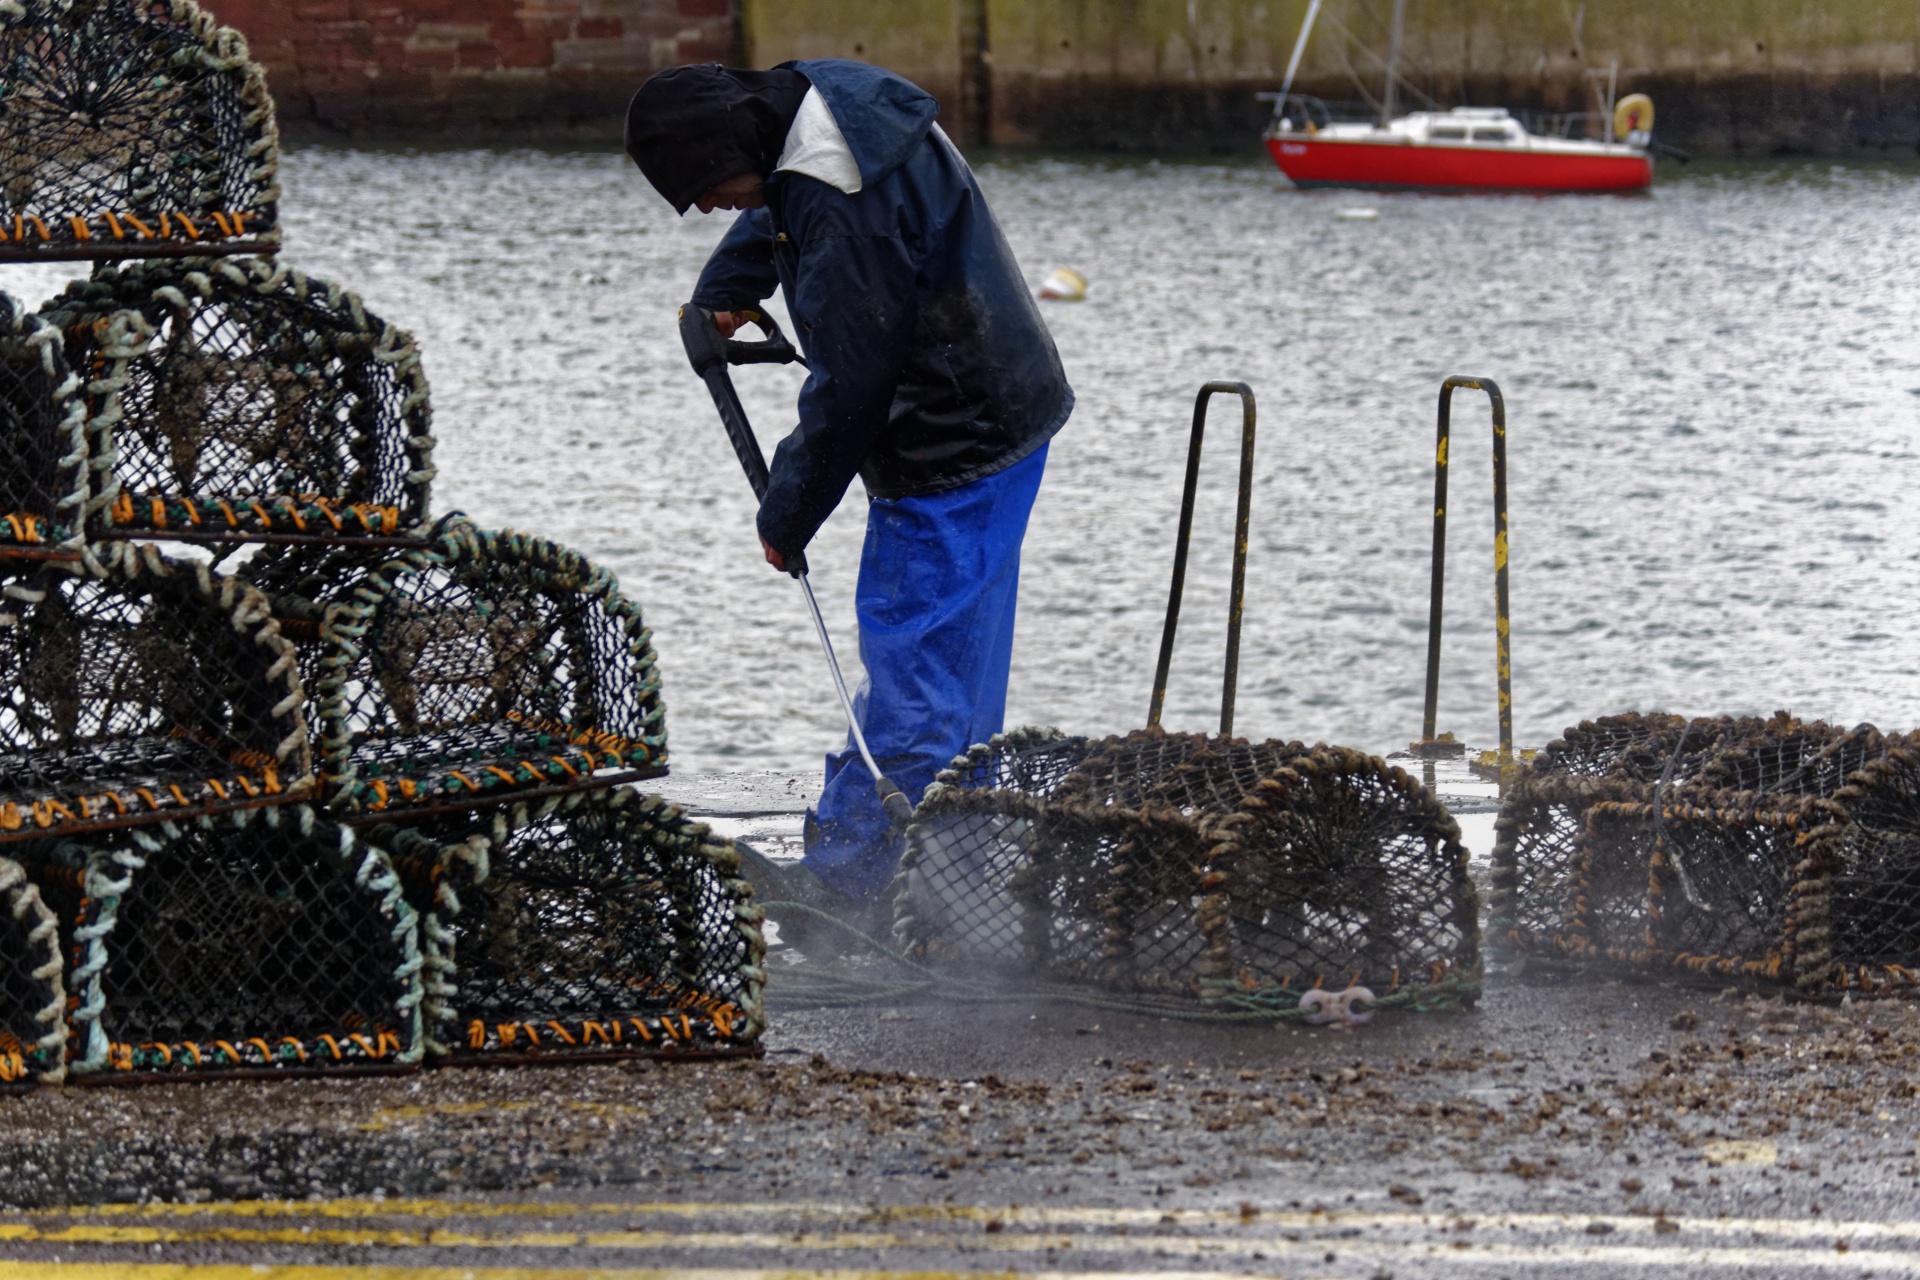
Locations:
{"points": [[477, 68]]}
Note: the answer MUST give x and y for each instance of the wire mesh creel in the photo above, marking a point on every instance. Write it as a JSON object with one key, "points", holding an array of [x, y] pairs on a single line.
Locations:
{"points": [[1534, 891], [1710, 848], [43, 439], [1182, 867], [479, 664], [132, 128], [260, 942], [1860, 925], [240, 400], [592, 925], [33, 992], [138, 689]]}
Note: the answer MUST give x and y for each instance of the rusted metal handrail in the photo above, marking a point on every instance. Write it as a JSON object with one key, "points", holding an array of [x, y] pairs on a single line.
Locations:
{"points": [[1501, 614], [1238, 595]]}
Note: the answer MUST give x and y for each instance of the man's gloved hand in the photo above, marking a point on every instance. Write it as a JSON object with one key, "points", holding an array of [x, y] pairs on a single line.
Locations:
{"points": [[794, 565]]}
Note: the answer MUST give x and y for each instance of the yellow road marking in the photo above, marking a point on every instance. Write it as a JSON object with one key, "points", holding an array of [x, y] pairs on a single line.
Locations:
{"points": [[229, 1271], [1731, 1151], [1461, 1248], [1008, 1216], [1688, 1261]]}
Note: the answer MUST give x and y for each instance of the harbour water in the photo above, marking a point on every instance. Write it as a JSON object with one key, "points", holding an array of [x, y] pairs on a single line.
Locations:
{"points": [[1712, 392]]}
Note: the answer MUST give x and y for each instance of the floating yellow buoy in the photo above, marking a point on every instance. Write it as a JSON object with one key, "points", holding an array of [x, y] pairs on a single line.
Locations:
{"points": [[1633, 114], [1064, 284]]}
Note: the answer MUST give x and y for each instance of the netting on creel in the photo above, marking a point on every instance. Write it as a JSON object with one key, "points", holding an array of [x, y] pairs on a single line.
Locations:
{"points": [[1714, 867], [132, 128], [33, 993], [263, 941], [43, 439], [596, 924], [1533, 890], [1859, 922], [1183, 868], [134, 689], [241, 400], [484, 663]]}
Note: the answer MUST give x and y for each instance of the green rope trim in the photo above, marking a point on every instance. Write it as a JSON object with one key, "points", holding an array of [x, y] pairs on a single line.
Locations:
{"points": [[47, 1059], [118, 312], [26, 338], [546, 567], [110, 873], [686, 849], [147, 54]]}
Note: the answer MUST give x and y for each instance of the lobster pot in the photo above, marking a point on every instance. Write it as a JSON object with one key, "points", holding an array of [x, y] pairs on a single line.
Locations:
{"points": [[1535, 888], [592, 925], [132, 129], [240, 400], [138, 689], [43, 440], [33, 993], [262, 942], [1860, 923], [1184, 867], [1690, 856], [477, 665]]}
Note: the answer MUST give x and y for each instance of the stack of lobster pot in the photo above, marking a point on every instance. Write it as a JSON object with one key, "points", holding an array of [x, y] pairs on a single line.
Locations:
{"points": [[293, 778]]}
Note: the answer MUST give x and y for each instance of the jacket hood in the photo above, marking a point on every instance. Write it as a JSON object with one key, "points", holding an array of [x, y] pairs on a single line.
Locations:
{"points": [[692, 127], [882, 116]]}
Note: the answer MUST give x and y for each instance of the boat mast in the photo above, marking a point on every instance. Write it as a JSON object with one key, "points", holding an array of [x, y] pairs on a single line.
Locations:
{"points": [[1393, 61], [1299, 47]]}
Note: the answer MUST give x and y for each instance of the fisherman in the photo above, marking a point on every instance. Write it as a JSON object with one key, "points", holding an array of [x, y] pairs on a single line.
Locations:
{"points": [[932, 378]]}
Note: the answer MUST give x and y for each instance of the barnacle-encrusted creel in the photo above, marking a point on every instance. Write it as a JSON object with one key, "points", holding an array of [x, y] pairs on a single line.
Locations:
{"points": [[1182, 867], [132, 128], [1777, 851], [595, 924], [475, 665], [264, 940], [241, 400], [134, 689]]}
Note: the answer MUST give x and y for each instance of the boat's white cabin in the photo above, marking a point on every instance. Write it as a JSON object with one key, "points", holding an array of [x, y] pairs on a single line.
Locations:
{"points": [[1490, 127]]}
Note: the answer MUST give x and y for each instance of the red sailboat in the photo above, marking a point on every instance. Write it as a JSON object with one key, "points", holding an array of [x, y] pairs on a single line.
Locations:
{"points": [[1465, 149]]}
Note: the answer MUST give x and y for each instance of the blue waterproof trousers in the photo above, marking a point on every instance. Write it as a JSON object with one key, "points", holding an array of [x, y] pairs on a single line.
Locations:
{"points": [[938, 581]]}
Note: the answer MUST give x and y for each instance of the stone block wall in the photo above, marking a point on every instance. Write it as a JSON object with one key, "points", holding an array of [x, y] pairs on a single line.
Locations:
{"points": [[471, 68]]}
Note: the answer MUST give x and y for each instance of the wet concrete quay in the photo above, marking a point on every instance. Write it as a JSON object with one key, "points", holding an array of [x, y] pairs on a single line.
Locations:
{"points": [[1597, 1128]]}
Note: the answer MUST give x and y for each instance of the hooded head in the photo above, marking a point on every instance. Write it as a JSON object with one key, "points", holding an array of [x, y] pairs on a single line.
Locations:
{"points": [[691, 128]]}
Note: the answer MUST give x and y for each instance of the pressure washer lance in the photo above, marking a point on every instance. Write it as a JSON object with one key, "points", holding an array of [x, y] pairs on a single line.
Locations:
{"points": [[711, 353]]}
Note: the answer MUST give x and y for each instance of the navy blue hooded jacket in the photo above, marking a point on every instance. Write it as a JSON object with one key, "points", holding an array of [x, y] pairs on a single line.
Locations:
{"points": [[930, 365]]}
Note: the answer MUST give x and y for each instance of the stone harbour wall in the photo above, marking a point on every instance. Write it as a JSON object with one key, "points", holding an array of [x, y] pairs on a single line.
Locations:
{"points": [[1728, 77]]}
